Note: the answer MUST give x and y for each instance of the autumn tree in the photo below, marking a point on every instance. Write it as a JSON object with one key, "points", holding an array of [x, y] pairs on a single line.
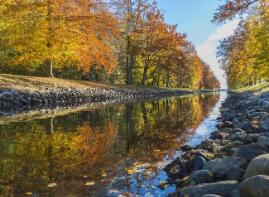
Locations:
{"points": [[57, 32], [231, 8], [130, 14], [244, 55]]}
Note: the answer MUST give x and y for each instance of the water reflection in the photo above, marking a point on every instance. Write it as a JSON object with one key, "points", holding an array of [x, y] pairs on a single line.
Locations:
{"points": [[100, 152]]}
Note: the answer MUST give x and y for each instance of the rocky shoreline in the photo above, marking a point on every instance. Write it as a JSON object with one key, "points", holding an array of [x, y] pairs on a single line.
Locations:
{"points": [[234, 161], [15, 101]]}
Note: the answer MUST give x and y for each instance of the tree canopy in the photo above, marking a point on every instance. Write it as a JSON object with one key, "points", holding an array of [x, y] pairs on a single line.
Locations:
{"points": [[244, 55], [118, 41]]}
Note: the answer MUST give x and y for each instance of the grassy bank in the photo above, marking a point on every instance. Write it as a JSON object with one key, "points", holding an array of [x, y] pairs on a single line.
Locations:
{"points": [[32, 84], [259, 88]]}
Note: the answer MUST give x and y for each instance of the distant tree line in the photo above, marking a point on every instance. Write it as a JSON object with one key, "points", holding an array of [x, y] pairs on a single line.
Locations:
{"points": [[116, 41]]}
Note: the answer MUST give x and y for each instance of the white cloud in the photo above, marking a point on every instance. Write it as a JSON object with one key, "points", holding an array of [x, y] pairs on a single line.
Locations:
{"points": [[207, 50]]}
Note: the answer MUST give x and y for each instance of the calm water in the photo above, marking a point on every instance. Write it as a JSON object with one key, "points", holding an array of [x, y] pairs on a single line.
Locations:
{"points": [[110, 151]]}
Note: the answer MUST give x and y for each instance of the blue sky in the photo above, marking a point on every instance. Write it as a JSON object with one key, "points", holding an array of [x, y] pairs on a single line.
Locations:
{"points": [[194, 18]]}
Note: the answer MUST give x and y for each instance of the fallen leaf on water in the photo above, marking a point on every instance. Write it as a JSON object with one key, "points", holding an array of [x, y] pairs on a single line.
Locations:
{"points": [[28, 193], [130, 171], [52, 185], [104, 175], [89, 183], [163, 184]]}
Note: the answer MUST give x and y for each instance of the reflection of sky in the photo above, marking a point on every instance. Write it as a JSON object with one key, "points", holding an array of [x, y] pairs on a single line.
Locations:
{"points": [[148, 187], [209, 124]]}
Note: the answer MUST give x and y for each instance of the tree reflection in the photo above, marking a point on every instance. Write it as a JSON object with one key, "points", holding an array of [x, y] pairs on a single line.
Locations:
{"points": [[67, 148]]}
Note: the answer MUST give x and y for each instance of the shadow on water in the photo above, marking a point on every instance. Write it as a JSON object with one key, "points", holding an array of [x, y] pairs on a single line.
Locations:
{"points": [[109, 151]]}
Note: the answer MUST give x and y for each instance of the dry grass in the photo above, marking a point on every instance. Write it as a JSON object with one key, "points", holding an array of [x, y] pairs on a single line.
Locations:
{"points": [[31, 83]]}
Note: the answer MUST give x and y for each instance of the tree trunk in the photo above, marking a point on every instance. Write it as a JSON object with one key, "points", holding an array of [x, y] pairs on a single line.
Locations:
{"points": [[167, 79], [51, 69], [144, 78]]}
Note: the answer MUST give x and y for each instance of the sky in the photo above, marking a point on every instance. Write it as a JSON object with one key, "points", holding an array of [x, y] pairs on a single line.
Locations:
{"points": [[194, 18]]}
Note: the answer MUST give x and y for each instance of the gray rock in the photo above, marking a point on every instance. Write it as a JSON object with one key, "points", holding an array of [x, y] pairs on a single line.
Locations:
{"points": [[186, 147], [198, 162], [263, 140], [220, 167], [219, 135], [257, 114], [229, 146], [237, 136], [250, 151], [211, 195], [228, 124], [235, 174], [198, 177], [256, 186], [250, 138], [227, 130], [207, 145], [223, 188], [264, 124], [258, 166], [246, 125]]}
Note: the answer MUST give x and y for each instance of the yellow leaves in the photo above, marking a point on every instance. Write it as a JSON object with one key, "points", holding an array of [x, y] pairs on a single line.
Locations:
{"points": [[163, 184], [28, 193], [130, 171], [104, 175], [52, 185], [71, 33], [137, 167], [89, 183]]}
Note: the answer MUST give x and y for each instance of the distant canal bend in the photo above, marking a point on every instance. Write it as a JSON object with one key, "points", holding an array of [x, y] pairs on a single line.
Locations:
{"points": [[103, 152]]}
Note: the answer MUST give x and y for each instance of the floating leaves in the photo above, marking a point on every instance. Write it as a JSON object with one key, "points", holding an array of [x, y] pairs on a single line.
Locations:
{"points": [[104, 175], [52, 185], [89, 183], [28, 193], [163, 184]]}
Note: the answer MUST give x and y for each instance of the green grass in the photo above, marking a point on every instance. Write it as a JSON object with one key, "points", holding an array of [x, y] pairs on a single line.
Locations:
{"points": [[258, 88]]}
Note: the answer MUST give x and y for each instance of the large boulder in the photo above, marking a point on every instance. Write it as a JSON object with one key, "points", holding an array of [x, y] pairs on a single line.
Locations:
{"points": [[223, 188], [258, 166], [220, 167], [250, 151], [256, 186]]}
